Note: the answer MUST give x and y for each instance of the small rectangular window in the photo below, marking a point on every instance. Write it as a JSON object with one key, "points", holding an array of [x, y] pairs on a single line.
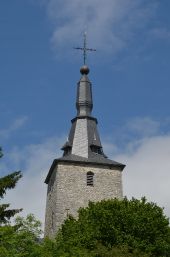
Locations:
{"points": [[90, 179]]}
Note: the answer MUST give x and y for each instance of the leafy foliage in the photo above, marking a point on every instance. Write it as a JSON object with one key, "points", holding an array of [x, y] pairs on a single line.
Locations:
{"points": [[110, 228], [22, 239], [6, 183], [134, 226]]}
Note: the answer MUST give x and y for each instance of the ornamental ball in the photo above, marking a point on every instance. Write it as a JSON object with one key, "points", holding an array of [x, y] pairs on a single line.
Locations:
{"points": [[84, 70]]}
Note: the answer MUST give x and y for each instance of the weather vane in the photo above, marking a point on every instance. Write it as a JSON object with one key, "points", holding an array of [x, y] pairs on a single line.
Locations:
{"points": [[84, 48]]}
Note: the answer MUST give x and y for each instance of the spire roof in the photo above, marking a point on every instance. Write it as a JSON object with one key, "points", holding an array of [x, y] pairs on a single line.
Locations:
{"points": [[84, 141], [84, 102], [83, 144]]}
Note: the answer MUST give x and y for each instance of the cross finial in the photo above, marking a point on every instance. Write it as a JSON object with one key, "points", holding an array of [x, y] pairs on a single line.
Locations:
{"points": [[84, 48]]}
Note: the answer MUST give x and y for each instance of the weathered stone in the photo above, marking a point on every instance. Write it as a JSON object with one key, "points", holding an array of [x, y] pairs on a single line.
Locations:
{"points": [[68, 191]]}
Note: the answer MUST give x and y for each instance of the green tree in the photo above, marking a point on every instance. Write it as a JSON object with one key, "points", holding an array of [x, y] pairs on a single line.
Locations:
{"points": [[6, 183], [136, 227], [22, 239], [54, 248]]}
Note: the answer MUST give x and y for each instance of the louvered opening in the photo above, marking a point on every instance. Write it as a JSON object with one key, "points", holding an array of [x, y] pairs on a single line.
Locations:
{"points": [[96, 149], [90, 178]]}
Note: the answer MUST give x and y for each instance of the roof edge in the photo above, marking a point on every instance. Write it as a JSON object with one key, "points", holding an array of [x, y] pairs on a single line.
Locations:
{"points": [[56, 161]]}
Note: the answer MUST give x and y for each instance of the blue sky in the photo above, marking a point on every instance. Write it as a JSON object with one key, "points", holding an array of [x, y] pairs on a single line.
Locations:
{"points": [[130, 76]]}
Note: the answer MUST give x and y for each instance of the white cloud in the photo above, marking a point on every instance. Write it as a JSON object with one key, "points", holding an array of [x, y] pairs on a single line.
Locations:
{"points": [[30, 192], [143, 126], [128, 137], [148, 170], [145, 152], [110, 24], [17, 124]]}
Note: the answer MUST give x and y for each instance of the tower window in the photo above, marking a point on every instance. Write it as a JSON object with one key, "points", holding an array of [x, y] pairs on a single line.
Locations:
{"points": [[96, 149], [67, 150], [90, 178]]}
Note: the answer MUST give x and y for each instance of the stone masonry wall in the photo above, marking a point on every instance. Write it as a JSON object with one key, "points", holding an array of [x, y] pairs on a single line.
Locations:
{"points": [[68, 191]]}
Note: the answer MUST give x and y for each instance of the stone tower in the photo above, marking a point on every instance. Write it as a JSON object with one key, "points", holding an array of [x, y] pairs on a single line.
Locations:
{"points": [[83, 173]]}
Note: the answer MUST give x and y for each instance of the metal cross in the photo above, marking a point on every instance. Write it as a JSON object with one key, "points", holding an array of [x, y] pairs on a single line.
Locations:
{"points": [[84, 48]]}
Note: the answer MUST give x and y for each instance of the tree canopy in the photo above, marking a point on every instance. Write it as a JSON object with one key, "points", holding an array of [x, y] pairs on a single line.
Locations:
{"points": [[21, 239], [112, 228], [6, 183], [134, 226]]}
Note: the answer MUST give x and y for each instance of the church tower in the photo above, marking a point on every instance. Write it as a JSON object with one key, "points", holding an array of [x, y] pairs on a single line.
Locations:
{"points": [[83, 173]]}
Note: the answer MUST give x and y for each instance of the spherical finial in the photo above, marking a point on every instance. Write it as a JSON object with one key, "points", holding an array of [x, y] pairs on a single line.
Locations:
{"points": [[84, 70]]}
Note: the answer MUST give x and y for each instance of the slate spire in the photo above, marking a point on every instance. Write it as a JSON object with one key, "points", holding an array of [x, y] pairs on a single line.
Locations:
{"points": [[83, 140], [84, 102], [83, 143]]}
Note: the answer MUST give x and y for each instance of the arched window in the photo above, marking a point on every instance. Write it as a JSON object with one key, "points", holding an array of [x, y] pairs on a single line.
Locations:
{"points": [[90, 178]]}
